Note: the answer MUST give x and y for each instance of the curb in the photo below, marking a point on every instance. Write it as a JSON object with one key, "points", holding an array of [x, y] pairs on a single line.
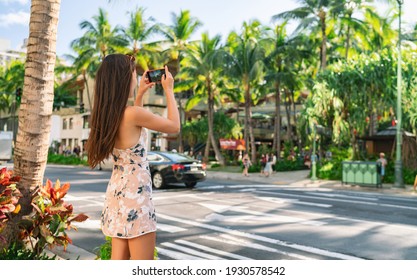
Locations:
{"points": [[71, 253]]}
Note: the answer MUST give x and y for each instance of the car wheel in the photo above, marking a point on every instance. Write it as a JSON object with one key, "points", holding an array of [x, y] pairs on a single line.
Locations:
{"points": [[191, 184], [158, 180]]}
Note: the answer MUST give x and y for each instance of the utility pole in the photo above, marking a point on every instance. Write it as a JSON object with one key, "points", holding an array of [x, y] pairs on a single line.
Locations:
{"points": [[314, 156]]}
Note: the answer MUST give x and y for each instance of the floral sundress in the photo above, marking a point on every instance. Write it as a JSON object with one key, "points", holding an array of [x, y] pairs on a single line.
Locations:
{"points": [[128, 208]]}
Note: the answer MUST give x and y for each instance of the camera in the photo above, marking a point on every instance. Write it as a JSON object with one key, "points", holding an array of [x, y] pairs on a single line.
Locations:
{"points": [[155, 76]]}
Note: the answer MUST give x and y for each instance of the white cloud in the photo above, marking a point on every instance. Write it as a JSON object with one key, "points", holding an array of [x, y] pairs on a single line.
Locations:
{"points": [[19, 18], [21, 2]]}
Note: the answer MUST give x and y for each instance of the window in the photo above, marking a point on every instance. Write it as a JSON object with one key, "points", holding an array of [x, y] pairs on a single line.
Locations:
{"points": [[64, 124], [154, 157], [86, 122], [71, 123]]}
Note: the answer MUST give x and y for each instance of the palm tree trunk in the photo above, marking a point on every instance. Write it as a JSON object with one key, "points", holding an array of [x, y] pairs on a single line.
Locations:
{"points": [[180, 140], [294, 115], [347, 43], [277, 124], [210, 119], [35, 113], [88, 91], [288, 110], [323, 48], [248, 123], [207, 149]]}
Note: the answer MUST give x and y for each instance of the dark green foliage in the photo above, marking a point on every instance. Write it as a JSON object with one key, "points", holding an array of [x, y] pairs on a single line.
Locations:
{"points": [[332, 169], [289, 165], [254, 168], [104, 251], [70, 160], [16, 251]]}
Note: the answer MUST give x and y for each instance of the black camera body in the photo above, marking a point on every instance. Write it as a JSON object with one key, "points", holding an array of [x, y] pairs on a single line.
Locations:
{"points": [[155, 76]]}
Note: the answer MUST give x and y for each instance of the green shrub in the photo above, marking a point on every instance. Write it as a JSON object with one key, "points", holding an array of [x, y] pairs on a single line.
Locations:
{"points": [[67, 160], [254, 168], [214, 165], [104, 251], [289, 165], [408, 174], [331, 169], [16, 251]]}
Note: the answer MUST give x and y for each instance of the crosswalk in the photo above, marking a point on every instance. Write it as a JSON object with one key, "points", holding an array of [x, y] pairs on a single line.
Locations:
{"points": [[257, 222]]}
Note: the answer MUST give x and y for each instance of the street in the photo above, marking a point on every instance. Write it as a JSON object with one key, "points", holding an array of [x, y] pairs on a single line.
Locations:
{"points": [[238, 220]]}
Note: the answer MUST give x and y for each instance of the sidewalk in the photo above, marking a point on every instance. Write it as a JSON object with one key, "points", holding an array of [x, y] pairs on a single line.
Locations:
{"points": [[301, 179]]}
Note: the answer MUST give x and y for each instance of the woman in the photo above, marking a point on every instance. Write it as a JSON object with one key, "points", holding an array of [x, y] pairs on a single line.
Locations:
{"points": [[120, 131], [246, 164]]}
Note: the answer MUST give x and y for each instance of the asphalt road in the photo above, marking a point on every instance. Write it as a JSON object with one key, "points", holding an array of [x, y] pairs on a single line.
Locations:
{"points": [[226, 219]]}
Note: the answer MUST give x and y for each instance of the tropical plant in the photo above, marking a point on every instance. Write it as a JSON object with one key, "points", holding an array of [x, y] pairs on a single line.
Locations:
{"points": [[177, 38], [100, 36], [313, 15], [138, 32], [47, 224], [204, 67], [63, 96], [9, 199], [246, 68]]}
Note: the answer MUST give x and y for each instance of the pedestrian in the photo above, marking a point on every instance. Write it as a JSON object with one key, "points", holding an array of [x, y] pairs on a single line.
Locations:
{"points": [[246, 164], [120, 131], [274, 161], [200, 156], [383, 163], [77, 151], [268, 166], [263, 163]]}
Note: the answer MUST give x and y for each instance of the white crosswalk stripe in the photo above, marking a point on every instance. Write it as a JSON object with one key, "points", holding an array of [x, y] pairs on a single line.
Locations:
{"points": [[191, 251], [176, 255], [231, 240], [208, 249]]}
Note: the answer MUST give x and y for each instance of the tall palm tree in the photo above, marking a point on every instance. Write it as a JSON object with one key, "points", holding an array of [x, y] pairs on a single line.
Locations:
{"points": [[203, 66], [138, 31], [247, 67], [100, 36], [35, 113], [177, 36], [283, 60], [314, 15]]}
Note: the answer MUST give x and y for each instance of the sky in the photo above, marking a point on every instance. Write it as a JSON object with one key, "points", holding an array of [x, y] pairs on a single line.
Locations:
{"points": [[217, 16]]}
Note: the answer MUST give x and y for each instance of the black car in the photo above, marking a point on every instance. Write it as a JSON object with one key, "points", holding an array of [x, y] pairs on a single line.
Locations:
{"points": [[168, 167]]}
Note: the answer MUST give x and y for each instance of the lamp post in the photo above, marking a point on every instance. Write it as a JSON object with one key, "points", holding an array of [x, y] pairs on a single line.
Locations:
{"points": [[314, 157], [398, 161]]}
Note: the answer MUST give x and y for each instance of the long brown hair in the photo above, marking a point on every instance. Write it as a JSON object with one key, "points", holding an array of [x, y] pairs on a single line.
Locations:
{"points": [[111, 92]]}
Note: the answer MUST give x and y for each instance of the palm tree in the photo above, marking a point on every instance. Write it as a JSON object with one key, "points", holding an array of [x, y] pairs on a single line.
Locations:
{"points": [[177, 38], [35, 113], [203, 66], [284, 54], [100, 36], [139, 30], [98, 41], [247, 67], [314, 15]]}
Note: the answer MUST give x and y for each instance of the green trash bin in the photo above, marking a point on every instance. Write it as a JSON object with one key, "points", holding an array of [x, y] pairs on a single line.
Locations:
{"points": [[363, 173]]}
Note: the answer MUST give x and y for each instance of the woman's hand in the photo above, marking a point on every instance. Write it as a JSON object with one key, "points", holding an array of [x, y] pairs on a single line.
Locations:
{"points": [[167, 81], [144, 84]]}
